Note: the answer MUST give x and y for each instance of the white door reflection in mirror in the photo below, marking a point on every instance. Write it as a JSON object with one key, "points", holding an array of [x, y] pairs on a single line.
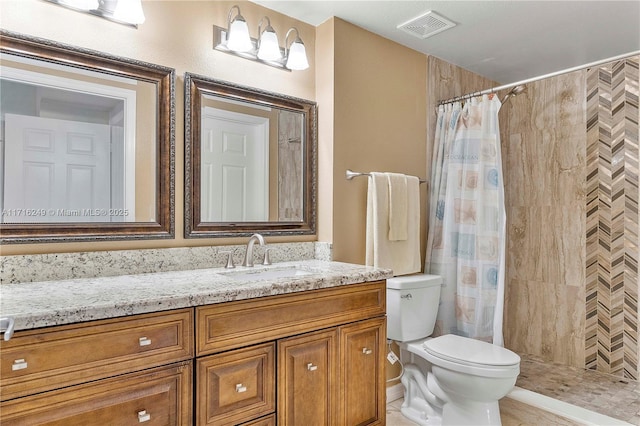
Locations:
{"points": [[58, 170], [235, 167], [69, 145]]}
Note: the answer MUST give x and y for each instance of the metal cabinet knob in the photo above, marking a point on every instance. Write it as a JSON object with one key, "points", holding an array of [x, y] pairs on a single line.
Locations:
{"points": [[241, 388], [143, 416], [19, 364], [311, 367], [367, 351], [144, 341]]}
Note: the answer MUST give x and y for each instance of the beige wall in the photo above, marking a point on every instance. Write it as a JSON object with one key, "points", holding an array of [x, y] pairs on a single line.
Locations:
{"points": [[177, 34], [325, 63], [373, 116], [379, 124]]}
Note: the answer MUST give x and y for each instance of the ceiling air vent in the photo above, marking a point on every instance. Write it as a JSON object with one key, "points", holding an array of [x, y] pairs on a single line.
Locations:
{"points": [[426, 25]]}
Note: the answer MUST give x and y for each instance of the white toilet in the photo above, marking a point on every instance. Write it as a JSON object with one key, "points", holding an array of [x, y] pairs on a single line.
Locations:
{"points": [[450, 379]]}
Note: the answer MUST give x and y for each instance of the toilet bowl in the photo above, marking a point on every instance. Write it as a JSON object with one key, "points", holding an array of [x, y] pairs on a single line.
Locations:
{"points": [[450, 379]]}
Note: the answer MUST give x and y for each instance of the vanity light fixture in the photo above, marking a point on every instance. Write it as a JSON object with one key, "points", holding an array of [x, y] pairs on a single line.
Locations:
{"points": [[265, 49], [83, 5], [239, 40], [268, 47], [296, 53], [127, 12]]}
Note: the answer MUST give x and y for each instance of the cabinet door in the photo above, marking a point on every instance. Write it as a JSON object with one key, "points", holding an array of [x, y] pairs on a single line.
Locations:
{"points": [[307, 379], [159, 396], [362, 374], [236, 386]]}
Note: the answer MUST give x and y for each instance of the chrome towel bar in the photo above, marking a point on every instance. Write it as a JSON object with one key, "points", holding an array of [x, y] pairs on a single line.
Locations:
{"points": [[350, 174]]}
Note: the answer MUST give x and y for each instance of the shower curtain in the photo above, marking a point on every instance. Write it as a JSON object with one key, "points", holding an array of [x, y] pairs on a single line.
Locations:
{"points": [[466, 240]]}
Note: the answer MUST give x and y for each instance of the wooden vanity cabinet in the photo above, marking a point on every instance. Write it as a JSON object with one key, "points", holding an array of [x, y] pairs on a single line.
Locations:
{"points": [[305, 358], [330, 355]]}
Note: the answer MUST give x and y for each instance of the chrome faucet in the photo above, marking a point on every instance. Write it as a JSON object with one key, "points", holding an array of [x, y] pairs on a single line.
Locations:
{"points": [[248, 257]]}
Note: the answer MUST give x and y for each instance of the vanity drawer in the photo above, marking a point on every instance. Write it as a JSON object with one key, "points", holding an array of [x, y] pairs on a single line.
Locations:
{"points": [[236, 386], [160, 396], [262, 421], [235, 324], [50, 358]]}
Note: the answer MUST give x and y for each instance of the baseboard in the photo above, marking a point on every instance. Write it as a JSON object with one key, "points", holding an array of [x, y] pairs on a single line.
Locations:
{"points": [[395, 392], [562, 409]]}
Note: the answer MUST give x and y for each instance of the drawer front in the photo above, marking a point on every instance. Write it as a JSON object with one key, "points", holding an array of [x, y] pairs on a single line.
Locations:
{"points": [[236, 386], [235, 324], [160, 396], [262, 421], [46, 359]]}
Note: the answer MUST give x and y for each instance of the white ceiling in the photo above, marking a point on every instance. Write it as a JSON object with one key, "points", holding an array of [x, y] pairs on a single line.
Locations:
{"points": [[506, 41]]}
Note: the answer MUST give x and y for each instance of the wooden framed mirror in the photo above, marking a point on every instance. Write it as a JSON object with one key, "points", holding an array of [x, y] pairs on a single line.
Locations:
{"points": [[87, 144], [250, 161]]}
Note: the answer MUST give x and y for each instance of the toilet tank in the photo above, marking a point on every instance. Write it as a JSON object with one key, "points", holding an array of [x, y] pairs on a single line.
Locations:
{"points": [[412, 306]]}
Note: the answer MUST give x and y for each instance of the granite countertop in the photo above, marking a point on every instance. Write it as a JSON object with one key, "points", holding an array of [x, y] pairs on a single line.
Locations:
{"points": [[47, 303]]}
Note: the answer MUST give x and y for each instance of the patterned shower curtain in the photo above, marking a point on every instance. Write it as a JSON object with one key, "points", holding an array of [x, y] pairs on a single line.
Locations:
{"points": [[466, 240]]}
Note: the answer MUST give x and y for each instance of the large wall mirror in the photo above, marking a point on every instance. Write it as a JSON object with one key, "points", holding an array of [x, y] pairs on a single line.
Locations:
{"points": [[87, 144], [250, 161]]}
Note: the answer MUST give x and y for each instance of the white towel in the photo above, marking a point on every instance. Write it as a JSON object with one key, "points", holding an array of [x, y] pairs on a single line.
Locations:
{"points": [[398, 206], [403, 257]]}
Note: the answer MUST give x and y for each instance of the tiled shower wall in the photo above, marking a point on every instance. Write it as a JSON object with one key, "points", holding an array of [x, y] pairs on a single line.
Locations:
{"points": [[544, 163], [612, 218], [570, 155]]}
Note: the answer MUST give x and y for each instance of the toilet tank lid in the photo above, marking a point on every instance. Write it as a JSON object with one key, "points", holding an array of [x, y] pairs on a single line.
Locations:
{"points": [[414, 281]]}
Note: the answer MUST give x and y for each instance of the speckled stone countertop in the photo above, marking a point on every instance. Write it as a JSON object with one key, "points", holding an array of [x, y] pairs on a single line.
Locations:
{"points": [[47, 303]]}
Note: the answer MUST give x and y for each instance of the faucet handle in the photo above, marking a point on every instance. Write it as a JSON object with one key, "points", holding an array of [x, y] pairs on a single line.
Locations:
{"points": [[230, 264], [267, 257]]}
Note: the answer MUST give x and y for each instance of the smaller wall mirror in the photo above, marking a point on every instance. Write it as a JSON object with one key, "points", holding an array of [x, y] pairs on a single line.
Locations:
{"points": [[86, 144], [250, 161]]}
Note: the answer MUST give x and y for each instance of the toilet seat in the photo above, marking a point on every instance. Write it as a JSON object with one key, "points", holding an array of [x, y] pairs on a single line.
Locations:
{"points": [[471, 356]]}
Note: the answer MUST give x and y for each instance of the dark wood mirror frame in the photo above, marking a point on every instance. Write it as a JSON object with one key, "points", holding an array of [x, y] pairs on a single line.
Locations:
{"points": [[164, 80], [195, 87]]}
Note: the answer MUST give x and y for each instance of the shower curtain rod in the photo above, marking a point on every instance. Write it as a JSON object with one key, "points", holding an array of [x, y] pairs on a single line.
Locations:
{"points": [[541, 77]]}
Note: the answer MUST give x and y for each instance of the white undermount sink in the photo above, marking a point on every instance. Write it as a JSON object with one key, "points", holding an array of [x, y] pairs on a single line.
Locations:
{"points": [[266, 274]]}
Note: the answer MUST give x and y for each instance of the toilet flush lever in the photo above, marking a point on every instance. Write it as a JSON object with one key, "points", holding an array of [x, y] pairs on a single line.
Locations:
{"points": [[406, 296]]}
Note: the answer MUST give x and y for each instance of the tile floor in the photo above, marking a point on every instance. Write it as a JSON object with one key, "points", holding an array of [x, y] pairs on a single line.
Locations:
{"points": [[610, 395], [603, 393], [395, 417], [513, 413]]}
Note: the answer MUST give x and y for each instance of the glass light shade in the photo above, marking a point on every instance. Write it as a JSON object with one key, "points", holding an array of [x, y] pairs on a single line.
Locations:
{"points": [[238, 39], [269, 48], [81, 4], [129, 11], [297, 58]]}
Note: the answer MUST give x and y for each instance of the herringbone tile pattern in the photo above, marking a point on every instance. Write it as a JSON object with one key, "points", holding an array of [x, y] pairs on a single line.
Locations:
{"points": [[612, 219]]}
